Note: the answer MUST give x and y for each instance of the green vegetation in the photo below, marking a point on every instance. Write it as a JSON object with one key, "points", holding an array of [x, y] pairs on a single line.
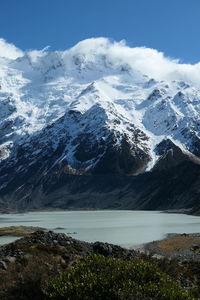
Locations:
{"points": [[51, 266], [96, 277]]}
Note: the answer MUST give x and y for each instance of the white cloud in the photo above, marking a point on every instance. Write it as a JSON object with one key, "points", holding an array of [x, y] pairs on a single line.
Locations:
{"points": [[8, 50], [146, 60]]}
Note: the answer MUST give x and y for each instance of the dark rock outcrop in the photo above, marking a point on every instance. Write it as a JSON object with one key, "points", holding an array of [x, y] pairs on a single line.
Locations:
{"points": [[59, 244]]}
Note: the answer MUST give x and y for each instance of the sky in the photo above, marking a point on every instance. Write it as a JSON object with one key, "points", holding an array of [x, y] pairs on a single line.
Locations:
{"points": [[170, 26]]}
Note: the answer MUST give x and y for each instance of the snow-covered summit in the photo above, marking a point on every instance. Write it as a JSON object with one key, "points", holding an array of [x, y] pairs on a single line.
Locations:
{"points": [[100, 107], [117, 90]]}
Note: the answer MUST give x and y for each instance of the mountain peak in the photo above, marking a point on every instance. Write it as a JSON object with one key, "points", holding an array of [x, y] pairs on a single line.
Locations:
{"points": [[98, 108]]}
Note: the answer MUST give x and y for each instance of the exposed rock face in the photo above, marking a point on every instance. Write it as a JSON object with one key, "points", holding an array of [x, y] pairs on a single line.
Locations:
{"points": [[78, 131]]}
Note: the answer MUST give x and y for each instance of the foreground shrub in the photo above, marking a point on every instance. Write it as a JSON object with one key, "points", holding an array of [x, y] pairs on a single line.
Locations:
{"points": [[97, 277], [23, 280]]}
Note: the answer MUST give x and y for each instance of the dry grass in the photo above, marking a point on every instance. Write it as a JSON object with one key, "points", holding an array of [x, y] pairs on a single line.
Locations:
{"points": [[180, 242], [18, 230]]}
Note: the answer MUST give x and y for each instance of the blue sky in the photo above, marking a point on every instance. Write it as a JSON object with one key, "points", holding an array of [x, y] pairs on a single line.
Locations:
{"points": [[171, 26]]}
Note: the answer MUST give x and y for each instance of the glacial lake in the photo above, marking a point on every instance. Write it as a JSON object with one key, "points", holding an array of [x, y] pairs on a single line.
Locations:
{"points": [[125, 228]]}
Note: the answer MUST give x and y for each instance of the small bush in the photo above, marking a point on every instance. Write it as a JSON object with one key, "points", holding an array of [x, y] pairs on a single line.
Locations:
{"points": [[24, 280], [96, 277]]}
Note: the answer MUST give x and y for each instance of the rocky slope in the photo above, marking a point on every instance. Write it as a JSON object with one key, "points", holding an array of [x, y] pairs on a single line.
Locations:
{"points": [[85, 128], [28, 264]]}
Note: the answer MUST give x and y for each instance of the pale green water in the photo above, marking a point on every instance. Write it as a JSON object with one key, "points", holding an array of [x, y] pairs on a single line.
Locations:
{"points": [[125, 228]]}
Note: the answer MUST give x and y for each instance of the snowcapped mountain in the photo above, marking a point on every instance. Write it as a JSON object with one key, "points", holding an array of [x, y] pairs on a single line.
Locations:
{"points": [[95, 111]]}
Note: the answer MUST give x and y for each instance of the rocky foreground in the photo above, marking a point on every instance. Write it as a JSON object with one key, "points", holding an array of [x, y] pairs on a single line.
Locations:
{"points": [[64, 248], [26, 264]]}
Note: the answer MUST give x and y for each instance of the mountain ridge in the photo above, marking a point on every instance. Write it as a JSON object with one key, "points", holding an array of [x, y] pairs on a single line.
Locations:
{"points": [[89, 112]]}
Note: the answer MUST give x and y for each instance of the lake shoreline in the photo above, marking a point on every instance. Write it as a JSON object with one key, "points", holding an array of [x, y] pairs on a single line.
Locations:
{"points": [[126, 228], [173, 246], [169, 211]]}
